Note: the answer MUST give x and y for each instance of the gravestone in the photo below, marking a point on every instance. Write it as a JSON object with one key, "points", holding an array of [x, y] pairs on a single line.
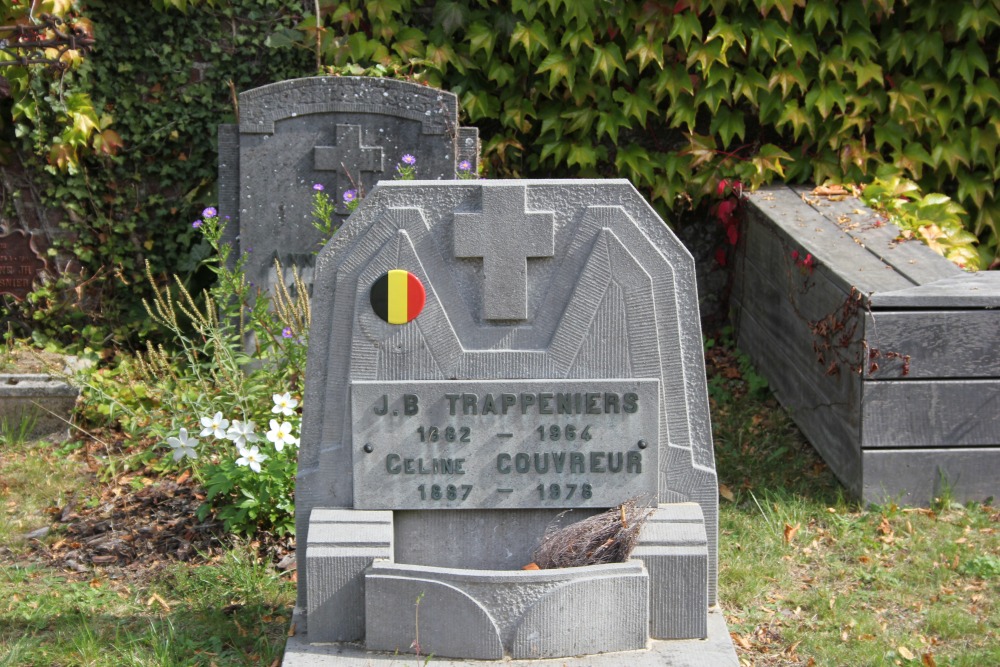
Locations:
{"points": [[20, 264], [344, 133], [483, 357]]}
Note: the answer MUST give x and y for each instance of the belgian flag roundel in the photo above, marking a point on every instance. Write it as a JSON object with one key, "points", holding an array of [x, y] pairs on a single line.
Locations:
{"points": [[398, 296]]}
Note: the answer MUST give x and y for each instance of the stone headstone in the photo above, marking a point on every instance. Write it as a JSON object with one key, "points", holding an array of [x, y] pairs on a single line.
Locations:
{"points": [[483, 357], [20, 264], [344, 133]]}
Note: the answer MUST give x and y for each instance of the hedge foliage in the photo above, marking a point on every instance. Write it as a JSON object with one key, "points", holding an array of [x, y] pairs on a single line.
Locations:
{"points": [[152, 93], [679, 96]]}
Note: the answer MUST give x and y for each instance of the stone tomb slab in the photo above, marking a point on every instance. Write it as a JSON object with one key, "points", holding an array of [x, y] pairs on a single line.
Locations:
{"points": [[344, 133]]}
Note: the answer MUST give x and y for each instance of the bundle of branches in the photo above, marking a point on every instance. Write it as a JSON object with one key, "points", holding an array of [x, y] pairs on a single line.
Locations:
{"points": [[608, 537]]}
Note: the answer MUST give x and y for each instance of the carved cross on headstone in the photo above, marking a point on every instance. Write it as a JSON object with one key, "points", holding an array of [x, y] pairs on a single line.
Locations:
{"points": [[348, 158], [504, 235]]}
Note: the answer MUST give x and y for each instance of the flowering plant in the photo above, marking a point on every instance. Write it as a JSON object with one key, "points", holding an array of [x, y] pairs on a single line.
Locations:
{"points": [[255, 478], [324, 213], [203, 397], [466, 172], [406, 168]]}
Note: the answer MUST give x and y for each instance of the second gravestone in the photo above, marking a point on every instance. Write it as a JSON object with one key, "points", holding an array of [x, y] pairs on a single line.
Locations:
{"points": [[484, 356], [344, 133]]}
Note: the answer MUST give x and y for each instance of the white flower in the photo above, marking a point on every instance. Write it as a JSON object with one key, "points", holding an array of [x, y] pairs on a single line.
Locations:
{"points": [[183, 445], [281, 435], [251, 457], [214, 426], [241, 433], [284, 404]]}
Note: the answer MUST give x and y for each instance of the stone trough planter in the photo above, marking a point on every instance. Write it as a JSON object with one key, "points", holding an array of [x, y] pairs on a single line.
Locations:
{"points": [[883, 351], [34, 405]]}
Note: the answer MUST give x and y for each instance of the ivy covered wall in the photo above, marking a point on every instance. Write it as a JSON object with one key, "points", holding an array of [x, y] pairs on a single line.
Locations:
{"points": [[682, 97]]}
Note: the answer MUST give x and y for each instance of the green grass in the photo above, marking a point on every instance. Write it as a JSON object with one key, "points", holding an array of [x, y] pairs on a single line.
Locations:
{"points": [[234, 612], [807, 576]]}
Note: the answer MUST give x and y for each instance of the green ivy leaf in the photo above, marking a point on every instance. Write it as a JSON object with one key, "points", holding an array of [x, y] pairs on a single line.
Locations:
{"points": [[768, 36], [450, 15], [480, 104], [610, 123], [728, 123], [635, 162], [673, 80], [712, 97], [687, 26], [981, 93], [788, 78], [748, 84], [729, 35], [481, 37], [636, 105], [978, 17], [409, 43], [796, 116], [819, 14], [706, 55], [560, 67], [646, 53], [867, 71], [575, 40], [965, 62], [530, 36], [580, 120], [606, 60]]}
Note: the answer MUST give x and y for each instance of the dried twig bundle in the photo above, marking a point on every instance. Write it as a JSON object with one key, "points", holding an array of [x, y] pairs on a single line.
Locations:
{"points": [[608, 537]]}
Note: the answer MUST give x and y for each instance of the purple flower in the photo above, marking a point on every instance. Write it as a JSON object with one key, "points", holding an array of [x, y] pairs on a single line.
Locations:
{"points": [[286, 332], [209, 213], [464, 166], [409, 159], [318, 187], [350, 195], [196, 224]]}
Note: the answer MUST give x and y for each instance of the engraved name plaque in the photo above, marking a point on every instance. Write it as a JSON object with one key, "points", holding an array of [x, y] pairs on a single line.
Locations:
{"points": [[504, 443]]}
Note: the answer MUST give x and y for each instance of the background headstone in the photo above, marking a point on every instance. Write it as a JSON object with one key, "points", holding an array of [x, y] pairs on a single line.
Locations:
{"points": [[20, 264], [341, 132], [557, 318]]}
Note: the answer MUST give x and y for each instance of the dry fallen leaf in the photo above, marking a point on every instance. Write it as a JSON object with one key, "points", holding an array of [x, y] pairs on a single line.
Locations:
{"points": [[531, 566], [905, 653], [928, 660], [790, 532], [726, 493], [740, 639]]}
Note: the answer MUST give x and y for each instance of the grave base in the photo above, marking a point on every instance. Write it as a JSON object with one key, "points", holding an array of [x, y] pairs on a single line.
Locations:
{"points": [[716, 650]]}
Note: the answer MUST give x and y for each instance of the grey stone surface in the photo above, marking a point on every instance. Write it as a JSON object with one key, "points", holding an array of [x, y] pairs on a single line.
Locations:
{"points": [[341, 132], [38, 403], [674, 547], [342, 544], [715, 651], [585, 287], [487, 614], [504, 444]]}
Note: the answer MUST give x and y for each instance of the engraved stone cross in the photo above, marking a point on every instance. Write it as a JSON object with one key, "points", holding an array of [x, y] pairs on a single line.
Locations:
{"points": [[348, 158], [504, 235]]}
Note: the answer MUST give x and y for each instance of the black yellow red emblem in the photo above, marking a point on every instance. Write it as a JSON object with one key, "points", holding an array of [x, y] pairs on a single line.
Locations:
{"points": [[398, 296]]}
